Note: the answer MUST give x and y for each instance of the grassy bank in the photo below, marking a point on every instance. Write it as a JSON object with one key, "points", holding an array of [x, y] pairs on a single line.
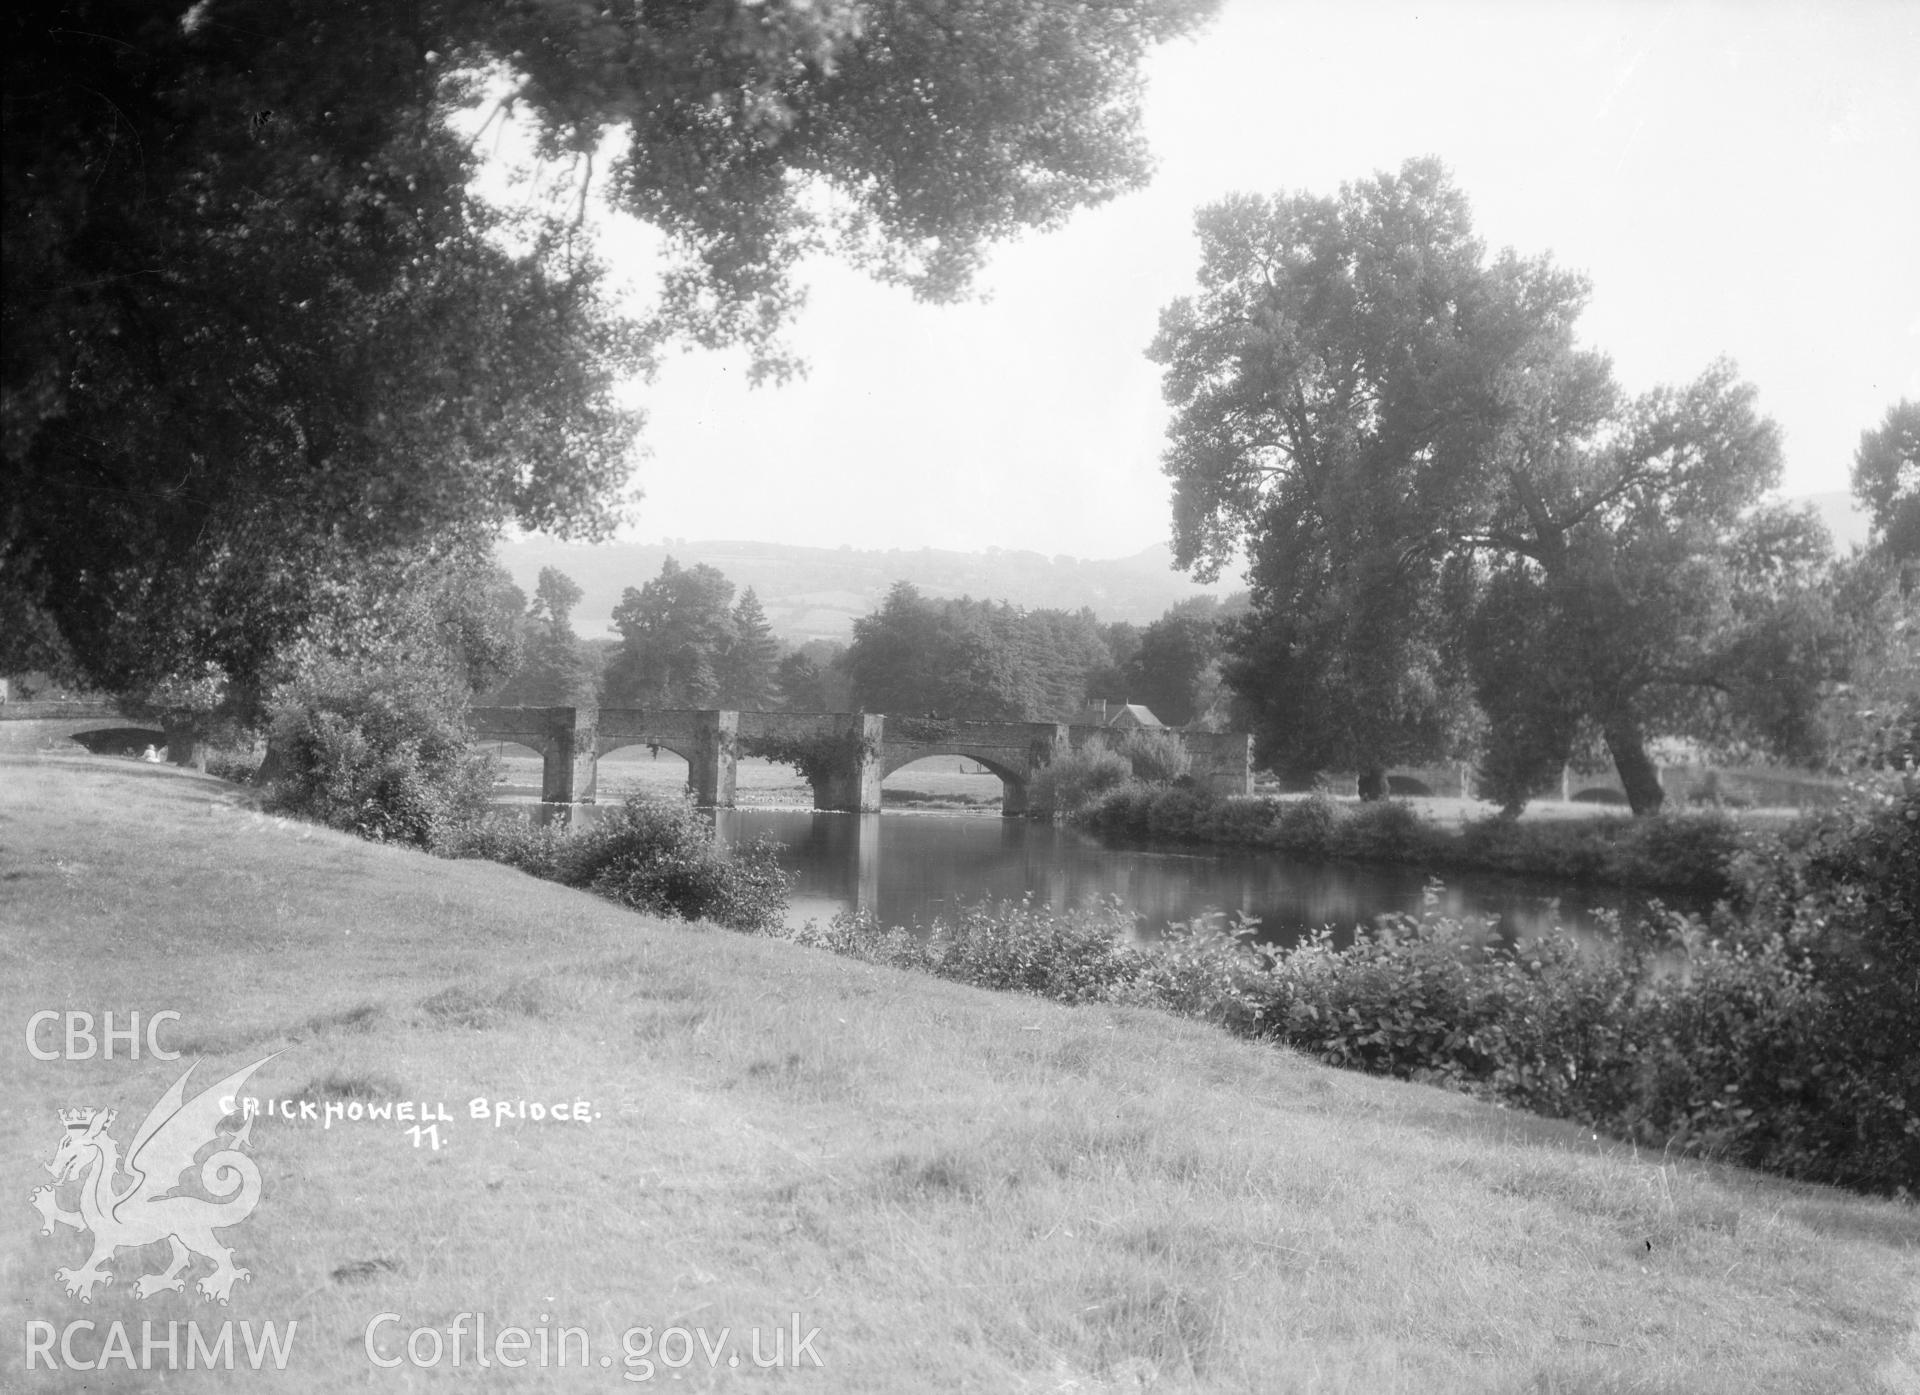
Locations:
{"points": [[1684, 853], [960, 1190]]}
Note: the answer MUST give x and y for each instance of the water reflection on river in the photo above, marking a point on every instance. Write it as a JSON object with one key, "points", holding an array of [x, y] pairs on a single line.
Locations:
{"points": [[911, 867]]}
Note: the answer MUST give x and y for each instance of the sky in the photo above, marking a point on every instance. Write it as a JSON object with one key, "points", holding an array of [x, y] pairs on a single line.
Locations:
{"points": [[1735, 179]]}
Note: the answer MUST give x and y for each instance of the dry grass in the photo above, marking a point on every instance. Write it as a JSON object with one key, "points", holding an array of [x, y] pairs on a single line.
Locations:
{"points": [[961, 1191]]}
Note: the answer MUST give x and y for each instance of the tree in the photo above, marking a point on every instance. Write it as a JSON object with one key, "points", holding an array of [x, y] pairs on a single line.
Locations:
{"points": [[1108, 678], [915, 656], [368, 726], [1060, 651], [749, 666], [1668, 599], [811, 679], [1337, 344], [553, 670], [1411, 444], [1168, 670], [260, 328], [1886, 481], [674, 636], [799, 678], [978, 660]]}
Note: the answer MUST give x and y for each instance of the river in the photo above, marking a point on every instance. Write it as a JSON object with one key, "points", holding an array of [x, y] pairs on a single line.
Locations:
{"points": [[911, 866]]}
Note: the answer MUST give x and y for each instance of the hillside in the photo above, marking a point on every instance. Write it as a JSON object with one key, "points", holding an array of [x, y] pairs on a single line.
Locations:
{"points": [[818, 592], [959, 1191]]}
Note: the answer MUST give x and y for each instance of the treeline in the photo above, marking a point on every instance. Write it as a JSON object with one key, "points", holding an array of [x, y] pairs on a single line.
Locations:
{"points": [[685, 640]]}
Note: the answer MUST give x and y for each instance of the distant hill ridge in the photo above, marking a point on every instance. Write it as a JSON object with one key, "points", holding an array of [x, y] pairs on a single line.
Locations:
{"points": [[818, 592]]}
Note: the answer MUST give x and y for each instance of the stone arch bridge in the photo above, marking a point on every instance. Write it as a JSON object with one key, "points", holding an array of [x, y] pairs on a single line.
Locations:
{"points": [[88, 722], [844, 755]]}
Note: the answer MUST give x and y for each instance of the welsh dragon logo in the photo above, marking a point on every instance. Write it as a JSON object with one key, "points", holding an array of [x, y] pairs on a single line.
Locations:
{"points": [[147, 1208]]}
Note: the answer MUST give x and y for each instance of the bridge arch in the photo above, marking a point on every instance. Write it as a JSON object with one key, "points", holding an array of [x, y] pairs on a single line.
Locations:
{"points": [[1013, 783], [98, 727], [686, 750]]}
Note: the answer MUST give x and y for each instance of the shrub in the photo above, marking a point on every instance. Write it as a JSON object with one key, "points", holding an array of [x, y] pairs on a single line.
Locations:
{"points": [[1076, 778], [1675, 852], [1206, 968], [1180, 815], [654, 857], [1383, 831], [1841, 891], [383, 761], [1121, 813], [539, 850], [1306, 826], [1573, 851], [1083, 955], [1075, 956], [234, 764], [1157, 757], [663, 859], [1243, 819]]}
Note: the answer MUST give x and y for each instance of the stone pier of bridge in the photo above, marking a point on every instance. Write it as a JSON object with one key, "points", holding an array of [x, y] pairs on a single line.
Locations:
{"points": [[843, 755]]}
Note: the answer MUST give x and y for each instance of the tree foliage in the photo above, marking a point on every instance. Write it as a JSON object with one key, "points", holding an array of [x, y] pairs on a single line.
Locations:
{"points": [[260, 327], [750, 664], [1320, 359], [1886, 481], [554, 669], [674, 636], [971, 659], [1425, 467], [1168, 671]]}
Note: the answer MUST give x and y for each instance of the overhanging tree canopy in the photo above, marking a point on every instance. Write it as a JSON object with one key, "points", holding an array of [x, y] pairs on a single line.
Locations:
{"points": [[258, 326]]}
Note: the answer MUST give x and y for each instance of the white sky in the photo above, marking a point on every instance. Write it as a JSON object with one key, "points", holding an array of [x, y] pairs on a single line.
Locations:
{"points": [[1738, 179]]}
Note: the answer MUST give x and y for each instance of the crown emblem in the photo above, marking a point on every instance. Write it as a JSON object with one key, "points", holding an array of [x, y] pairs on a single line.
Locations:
{"points": [[78, 1118]]}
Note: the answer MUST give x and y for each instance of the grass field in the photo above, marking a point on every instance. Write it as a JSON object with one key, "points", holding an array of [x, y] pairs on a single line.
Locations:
{"points": [[959, 1191]]}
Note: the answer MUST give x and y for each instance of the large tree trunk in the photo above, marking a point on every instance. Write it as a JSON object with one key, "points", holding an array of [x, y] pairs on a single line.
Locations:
{"points": [[1373, 783], [186, 745], [273, 765], [1638, 774]]}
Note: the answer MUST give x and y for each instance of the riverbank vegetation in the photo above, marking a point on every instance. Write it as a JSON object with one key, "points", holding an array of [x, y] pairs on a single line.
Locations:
{"points": [[1688, 854], [962, 1190], [647, 855], [1089, 773], [1785, 1036]]}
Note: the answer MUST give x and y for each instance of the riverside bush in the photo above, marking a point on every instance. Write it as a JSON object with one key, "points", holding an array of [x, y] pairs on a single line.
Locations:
{"points": [[1075, 778], [1091, 773], [1157, 757], [663, 858], [1841, 890], [1689, 853], [1306, 826], [654, 857], [1383, 831], [383, 761], [1083, 955]]}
